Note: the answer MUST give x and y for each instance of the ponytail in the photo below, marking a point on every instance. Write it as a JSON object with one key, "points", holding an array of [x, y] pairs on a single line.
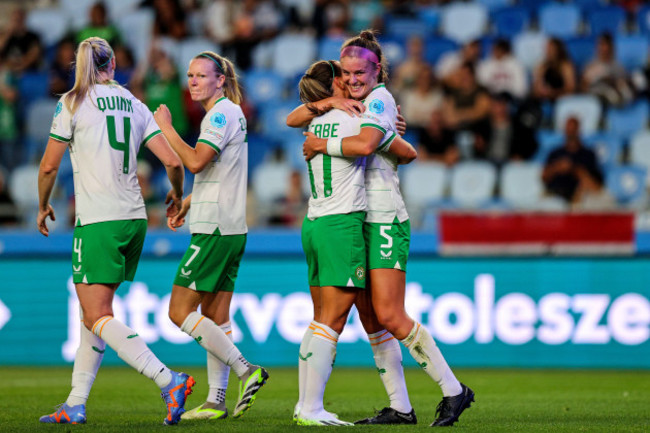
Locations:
{"points": [[93, 56], [368, 40], [223, 66], [318, 81]]}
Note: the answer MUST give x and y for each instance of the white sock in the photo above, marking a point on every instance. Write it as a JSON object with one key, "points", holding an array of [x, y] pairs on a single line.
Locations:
{"points": [[218, 372], [214, 340], [319, 367], [86, 363], [302, 362], [132, 349], [388, 359], [424, 350]]}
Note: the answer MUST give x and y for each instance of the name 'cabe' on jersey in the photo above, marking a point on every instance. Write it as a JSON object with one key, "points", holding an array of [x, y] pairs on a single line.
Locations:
{"points": [[337, 183]]}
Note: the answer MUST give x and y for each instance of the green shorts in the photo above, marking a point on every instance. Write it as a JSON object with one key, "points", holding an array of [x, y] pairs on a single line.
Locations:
{"points": [[387, 244], [335, 250], [211, 262], [107, 252]]}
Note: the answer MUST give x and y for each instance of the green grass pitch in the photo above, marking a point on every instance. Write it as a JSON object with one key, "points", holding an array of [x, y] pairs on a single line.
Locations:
{"points": [[506, 401]]}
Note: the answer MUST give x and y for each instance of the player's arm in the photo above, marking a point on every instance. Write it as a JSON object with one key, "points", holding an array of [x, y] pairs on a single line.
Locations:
{"points": [[305, 113], [402, 150], [160, 147], [179, 219], [362, 144], [46, 177], [194, 158]]}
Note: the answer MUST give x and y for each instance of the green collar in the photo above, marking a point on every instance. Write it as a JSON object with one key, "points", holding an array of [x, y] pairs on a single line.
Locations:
{"points": [[223, 97], [373, 89]]}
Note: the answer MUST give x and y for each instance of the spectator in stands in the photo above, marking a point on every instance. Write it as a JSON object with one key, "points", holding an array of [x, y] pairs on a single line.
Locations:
{"points": [[502, 72], [217, 20], [157, 83], [20, 47], [605, 77], [254, 21], [8, 209], [504, 137], [99, 26], [62, 68], [407, 72], [419, 102], [125, 64], [572, 172], [169, 19], [555, 75], [437, 142], [451, 62], [466, 107], [10, 153]]}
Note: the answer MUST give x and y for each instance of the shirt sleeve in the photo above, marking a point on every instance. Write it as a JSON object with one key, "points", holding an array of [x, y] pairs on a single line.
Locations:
{"points": [[380, 114], [61, 129], [217, 130], [151, 128]]}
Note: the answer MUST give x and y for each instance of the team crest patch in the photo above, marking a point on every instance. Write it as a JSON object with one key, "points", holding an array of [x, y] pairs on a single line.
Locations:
{"points": [[218, 120], [376, 106], [58, 109], [360, 272]]}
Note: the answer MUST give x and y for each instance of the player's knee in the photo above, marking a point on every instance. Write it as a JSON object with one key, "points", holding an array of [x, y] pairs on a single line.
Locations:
{"points": [[177, 315]]}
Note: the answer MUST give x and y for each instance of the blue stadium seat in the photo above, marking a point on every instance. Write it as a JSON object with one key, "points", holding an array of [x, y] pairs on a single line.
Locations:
{"points": [[521, 185], [643, 19], [548, 140], [50, 24], [581, 50], [273, 118], [472, 184], [394, 50], [463, 22], [430, 16], [494, 5], [561, 20], [38, 123], [407, 27], [627, 184], [263, 86], [640, 150], [626, 121], [631, 50], [329, 48], [435, 47], [588, 4], [293, 53], [603, 19], [533, 6], [511, 21], [137, 28], [33, 86], [529, 48], [608, 147], [585, 107], [424, 184]]}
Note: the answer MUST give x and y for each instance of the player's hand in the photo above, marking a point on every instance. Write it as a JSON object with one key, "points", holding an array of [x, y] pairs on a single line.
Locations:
{"points": [[350, 106], [309, 146], [400, 124], [177, 219], [41, 219], [175, 203], [163, 116]]}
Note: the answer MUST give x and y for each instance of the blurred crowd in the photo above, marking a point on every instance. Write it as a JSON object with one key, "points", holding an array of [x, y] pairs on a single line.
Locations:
{"points": [[493, 83]]}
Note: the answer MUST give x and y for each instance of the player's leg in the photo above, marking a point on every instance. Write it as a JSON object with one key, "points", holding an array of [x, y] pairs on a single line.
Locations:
{"points": [[335, 307], [388, 360], [216, 306], [303, 353]]}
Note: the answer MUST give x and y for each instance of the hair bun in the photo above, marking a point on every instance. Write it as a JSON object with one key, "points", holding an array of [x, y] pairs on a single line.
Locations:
{"points": [[368, 34]]}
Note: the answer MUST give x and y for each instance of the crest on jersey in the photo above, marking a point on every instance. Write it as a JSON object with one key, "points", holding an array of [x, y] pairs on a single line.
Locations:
{"points": [[376, 106], [218, 120], [57, 110], [360, 273]]}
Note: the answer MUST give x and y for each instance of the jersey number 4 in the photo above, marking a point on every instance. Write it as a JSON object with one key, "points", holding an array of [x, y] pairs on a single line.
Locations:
{"points": [[122, 146]]}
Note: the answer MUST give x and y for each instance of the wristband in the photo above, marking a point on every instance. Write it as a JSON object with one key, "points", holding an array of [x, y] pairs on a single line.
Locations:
{"points": [[335, 146]]}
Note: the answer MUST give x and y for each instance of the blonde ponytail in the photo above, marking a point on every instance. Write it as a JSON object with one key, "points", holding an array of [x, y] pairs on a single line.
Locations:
{"points": [[93, 56]]}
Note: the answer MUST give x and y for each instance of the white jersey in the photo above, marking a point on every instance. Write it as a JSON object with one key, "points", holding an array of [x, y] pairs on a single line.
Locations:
{"points": [[385, 201], [219, 193], [104, 137], [337, 183]]}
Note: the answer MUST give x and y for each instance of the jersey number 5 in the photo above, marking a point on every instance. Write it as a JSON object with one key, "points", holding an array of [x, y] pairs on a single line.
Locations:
{"points": [[122, 146]]}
